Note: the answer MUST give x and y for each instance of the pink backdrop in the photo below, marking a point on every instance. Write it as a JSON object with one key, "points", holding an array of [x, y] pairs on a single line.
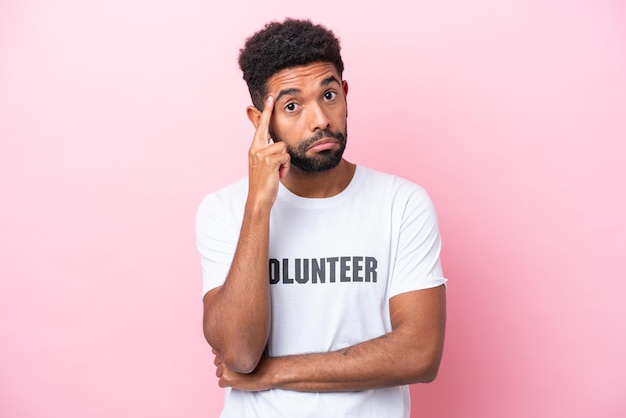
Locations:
{"points": [[117, 117]]}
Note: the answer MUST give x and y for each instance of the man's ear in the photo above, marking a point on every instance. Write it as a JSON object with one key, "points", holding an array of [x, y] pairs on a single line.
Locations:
{"points": [[254, 115], [344, 85]]}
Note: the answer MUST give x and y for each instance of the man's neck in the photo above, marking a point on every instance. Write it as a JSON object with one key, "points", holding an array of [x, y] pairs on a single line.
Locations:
{"points": [[319, 185]]}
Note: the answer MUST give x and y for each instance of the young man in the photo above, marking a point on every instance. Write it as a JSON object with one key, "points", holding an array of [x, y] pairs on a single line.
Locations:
{"points": [[324, 295]]}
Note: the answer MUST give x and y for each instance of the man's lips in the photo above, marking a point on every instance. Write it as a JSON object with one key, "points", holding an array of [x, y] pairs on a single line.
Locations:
{"points": [[323, 144]]}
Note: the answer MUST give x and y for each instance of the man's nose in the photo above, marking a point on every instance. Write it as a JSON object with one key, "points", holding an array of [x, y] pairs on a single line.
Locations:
{"points": [[318, 118]]}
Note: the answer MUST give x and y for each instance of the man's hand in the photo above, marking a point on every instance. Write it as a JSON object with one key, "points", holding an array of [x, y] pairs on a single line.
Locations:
{"points": [[246, 382], [268, 161]]}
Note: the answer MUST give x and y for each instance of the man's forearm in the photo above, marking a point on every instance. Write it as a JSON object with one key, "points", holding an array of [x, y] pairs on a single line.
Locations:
{"points": [[382, 362], [237, 315]]}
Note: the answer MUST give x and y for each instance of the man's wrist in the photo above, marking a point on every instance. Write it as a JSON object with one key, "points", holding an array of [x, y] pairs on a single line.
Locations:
{"points": [[272, 378]]}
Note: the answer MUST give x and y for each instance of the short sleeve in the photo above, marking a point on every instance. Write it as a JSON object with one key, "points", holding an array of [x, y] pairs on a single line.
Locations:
{"points": [[216, 240], [417, 265]]}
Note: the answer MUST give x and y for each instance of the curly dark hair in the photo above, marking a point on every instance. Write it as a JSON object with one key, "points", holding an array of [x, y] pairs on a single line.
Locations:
{"points": [[283, 45]]}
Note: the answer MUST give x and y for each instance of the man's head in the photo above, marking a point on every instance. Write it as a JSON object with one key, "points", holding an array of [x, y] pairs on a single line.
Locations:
{"points": [[299, 65], [283, 45]]}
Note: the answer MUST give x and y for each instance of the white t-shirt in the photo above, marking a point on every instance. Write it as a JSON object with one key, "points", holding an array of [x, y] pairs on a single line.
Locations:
{"points": [[334, 264]]}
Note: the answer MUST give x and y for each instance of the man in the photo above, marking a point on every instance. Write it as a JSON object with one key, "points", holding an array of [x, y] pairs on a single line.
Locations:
{"points": [[324, 295]]}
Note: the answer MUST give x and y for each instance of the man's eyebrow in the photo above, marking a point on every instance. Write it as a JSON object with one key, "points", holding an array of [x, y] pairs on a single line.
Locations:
{"points": [[329, 80], [285, 92]]}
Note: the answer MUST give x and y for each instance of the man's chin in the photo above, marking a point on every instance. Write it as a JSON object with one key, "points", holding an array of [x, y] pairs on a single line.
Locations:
{"points": [[326, 160]]}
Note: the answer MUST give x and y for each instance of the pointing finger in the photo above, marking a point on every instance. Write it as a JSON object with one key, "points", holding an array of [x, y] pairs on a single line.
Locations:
{"points": [[262, 134]]}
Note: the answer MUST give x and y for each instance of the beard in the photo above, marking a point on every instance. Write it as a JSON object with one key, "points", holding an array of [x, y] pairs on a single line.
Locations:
{"points": [[323, 160]]}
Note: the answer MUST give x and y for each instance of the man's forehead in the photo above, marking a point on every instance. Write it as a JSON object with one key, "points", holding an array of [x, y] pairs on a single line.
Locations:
{"points": [[310, 75]]}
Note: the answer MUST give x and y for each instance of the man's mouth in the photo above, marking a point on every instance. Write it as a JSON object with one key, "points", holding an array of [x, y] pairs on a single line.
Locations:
{"points": [[323, 144]]}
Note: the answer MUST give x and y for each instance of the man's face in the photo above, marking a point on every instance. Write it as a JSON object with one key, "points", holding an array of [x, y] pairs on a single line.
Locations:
{"points": [[310, 115]]}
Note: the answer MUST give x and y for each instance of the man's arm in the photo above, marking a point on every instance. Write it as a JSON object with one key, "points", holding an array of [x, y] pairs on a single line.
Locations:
{"points": [[237, 315], [410, 353]]}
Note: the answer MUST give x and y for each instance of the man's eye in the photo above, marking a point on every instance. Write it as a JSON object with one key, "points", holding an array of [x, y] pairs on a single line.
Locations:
{"points": [[290, 107], [330, 95]]}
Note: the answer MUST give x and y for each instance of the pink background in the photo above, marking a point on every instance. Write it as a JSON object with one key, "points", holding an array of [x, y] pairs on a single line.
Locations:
{"points": [[117, 117]]}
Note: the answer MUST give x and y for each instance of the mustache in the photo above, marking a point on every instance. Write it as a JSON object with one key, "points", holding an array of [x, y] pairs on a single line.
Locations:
{"points": [[304, 145]]}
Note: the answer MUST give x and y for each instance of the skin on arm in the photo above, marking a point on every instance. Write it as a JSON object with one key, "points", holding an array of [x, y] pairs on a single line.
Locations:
{"points": [[237, 315], [410, 353]]}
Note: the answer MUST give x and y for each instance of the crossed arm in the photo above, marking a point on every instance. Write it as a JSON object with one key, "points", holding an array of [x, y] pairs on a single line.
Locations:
{"points": [[410, 353]]}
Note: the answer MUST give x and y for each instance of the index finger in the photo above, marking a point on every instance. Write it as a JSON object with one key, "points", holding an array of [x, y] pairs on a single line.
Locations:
{"points": [[262, 134]]}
